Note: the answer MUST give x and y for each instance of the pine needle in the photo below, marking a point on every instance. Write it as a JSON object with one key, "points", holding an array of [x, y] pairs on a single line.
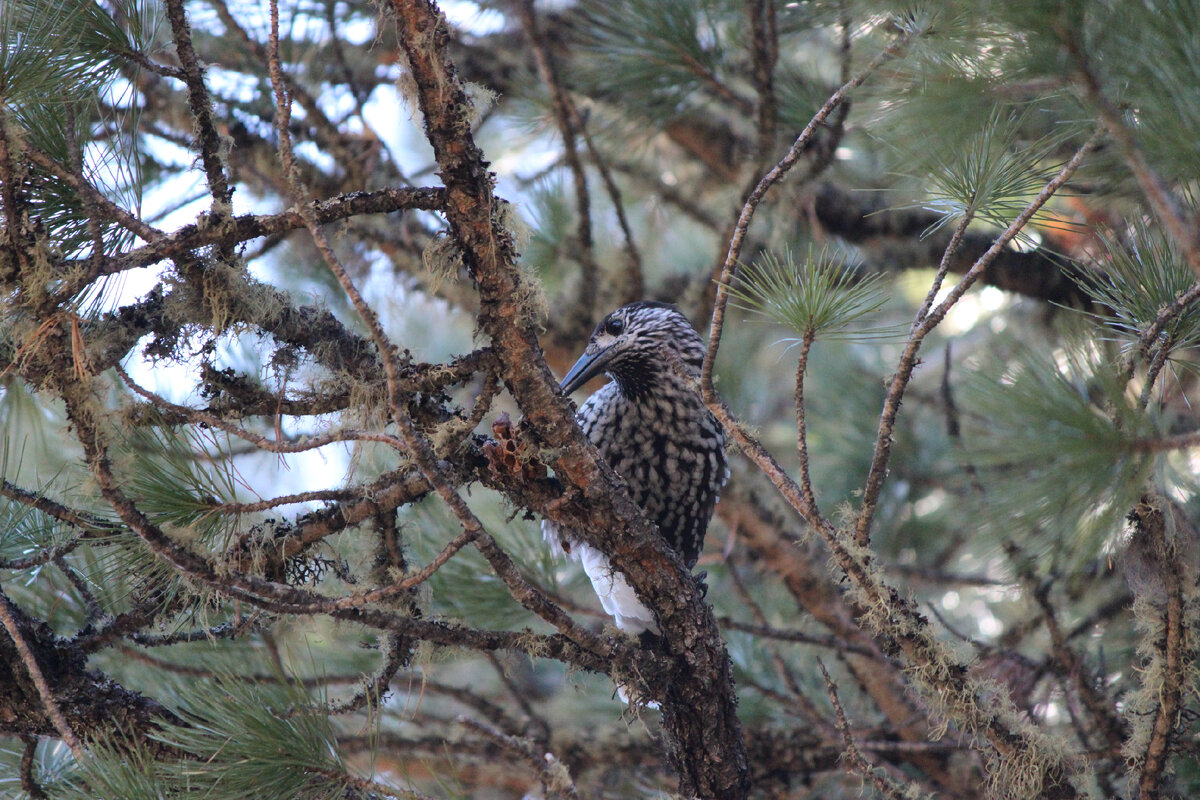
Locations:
{"points": [[821, 298], [1143, 272]]}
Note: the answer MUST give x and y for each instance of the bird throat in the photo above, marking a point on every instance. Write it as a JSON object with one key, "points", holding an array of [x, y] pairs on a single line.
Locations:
{"points": [[640, 378]]}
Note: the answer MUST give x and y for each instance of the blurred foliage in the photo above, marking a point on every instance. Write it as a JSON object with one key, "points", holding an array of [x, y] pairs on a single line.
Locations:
{"points": [[1047, 414]]}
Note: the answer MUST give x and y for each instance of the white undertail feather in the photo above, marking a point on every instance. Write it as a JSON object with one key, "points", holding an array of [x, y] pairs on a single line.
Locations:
{"points": [[616, 595]]}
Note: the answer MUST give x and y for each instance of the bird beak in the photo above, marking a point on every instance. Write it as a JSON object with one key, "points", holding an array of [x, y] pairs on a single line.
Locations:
{"points": [[589, 365]]}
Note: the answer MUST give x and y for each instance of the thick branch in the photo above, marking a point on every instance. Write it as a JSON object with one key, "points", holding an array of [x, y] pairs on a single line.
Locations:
{"points": [[703, 733]]}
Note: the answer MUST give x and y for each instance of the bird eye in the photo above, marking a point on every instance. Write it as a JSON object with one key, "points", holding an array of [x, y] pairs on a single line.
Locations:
{"points": [[614, 325]]}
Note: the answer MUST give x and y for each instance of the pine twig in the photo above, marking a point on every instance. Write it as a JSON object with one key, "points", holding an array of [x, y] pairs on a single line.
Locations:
{"points": [[95, 611], [304, 444], [521, 699], [89, 525], [806, 487], [1165, 315], [99, 205], [589, 269], [1158, 193], [800, 637], [200, 104], [471, 699], [9, 617], [776, 174], [28, 783], [795, 696], [228, 630], [331, 138], [954, 429], [855, 762], [253, 226], [1097, 703], [1182, 441], [315, 496], [76, 156], [635, 281], [764, 50], [827, 153], [909, 358], [550, 771], [370, 789]]}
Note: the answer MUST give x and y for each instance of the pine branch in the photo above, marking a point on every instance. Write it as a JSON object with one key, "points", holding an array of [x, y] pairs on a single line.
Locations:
{"points": [[856, 764], [91, 123], [904, 631], [12, 204], [68, 699], [1160, 697], [779, 549], [244, 227], [285, 599]]}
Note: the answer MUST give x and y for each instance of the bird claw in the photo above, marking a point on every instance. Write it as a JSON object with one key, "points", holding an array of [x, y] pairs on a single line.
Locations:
{"points": [[701, 582]]}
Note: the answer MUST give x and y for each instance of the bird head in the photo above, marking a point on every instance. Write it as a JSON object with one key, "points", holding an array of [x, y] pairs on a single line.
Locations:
{"points": [[634, 345]]}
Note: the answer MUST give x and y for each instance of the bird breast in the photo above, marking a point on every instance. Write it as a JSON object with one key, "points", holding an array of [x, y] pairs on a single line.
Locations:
{"points": [[670, 451]]}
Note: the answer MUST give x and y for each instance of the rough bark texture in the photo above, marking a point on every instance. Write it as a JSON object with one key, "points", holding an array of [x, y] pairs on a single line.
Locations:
{"points": [[699, 711]]}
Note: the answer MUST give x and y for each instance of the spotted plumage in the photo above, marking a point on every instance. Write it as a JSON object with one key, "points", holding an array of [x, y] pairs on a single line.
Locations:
{"points": [[650, 425]]}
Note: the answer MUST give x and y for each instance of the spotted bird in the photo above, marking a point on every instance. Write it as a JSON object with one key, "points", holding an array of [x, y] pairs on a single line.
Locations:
{"points": [[651, 427]]}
